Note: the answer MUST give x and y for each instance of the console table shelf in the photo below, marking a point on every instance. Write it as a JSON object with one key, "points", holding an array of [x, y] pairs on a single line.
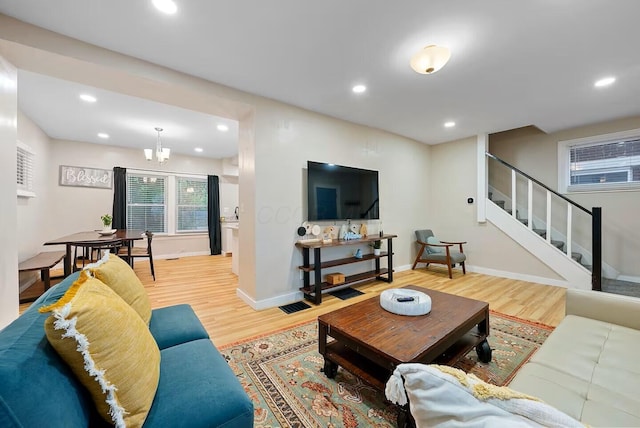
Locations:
{"points": [[313, 292], [345, 261]]}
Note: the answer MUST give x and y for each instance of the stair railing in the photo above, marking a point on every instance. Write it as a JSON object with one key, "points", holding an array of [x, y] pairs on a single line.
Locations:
{"points": [[595, 213]]}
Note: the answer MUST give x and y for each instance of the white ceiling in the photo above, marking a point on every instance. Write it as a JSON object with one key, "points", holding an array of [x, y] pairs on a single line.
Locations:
{"points": [[56, 107], [513, 63]]}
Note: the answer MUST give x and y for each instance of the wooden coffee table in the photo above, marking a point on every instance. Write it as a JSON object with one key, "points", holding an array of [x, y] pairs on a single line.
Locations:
{"points": [[370, 341]]}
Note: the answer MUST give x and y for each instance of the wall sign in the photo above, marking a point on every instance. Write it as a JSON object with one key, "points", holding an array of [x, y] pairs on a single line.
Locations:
{"points": [[78, 176]]}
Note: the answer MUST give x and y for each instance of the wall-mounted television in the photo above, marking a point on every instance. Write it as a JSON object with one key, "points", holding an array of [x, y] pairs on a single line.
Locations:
{"points": [[336, 192]]}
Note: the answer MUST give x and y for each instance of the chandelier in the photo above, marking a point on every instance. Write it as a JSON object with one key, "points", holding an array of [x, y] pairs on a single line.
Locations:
{"points": [[162, 154]]}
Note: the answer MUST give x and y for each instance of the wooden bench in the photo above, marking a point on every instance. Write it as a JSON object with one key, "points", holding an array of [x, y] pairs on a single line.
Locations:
{"points": [[43, 262]]}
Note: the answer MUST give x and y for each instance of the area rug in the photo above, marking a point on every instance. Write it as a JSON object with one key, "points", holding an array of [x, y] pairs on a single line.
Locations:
{"points": [[282, 374]]}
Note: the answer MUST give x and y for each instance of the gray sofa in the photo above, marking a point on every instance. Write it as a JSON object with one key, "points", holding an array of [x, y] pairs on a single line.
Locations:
{"points": [[588, 367], [196, 388]]}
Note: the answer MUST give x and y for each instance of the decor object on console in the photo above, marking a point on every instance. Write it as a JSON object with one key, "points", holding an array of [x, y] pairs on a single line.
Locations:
{"points": [[377, 245], [430, 59], [162, 153], [434, 251], [37, 387]]}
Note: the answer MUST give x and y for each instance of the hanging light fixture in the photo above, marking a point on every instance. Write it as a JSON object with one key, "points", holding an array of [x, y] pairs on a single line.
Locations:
{"points": [[430, 59], [162, 154]]}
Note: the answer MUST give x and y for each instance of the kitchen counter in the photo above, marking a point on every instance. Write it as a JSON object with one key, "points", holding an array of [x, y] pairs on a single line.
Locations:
{"points": [[230, 230]]}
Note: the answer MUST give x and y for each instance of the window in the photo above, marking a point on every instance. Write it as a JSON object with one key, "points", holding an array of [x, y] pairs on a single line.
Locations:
{"points": [[167, 203], [606, 162], [24, 171], [146, 203], [191, 204]]}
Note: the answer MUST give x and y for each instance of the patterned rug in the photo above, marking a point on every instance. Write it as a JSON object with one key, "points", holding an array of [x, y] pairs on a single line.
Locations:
{"points": [[281, 373]]}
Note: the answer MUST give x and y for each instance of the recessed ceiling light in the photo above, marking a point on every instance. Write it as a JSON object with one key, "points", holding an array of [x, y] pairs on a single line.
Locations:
{"points": [[222, 127], [449, 124], [166, 6], [358, 89], [198, 149], [604, 82], [88, 98], [103, 135]]}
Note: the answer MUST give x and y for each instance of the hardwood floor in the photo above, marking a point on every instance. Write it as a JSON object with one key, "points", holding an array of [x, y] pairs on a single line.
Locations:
{"points": [[207, 284]]}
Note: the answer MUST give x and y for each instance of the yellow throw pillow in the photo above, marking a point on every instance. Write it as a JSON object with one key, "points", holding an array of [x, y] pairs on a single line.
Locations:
{"points": [[108, 347], [118, 275]]}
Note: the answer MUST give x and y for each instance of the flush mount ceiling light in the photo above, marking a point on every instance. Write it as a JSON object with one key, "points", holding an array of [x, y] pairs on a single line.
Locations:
{"points": [[222, 127], [103, 135], [198, 149], [162, 154], [449, 124], [166, 6], [430, 59], [604, 82]]}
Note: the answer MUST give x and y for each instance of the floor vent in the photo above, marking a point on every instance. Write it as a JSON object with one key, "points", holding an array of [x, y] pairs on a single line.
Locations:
{"points": [[294, 307], [346, 293]]}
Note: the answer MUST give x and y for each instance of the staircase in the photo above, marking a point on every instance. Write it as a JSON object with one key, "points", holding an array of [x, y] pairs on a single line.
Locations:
{"points": [[579, 266], [559, 244]]}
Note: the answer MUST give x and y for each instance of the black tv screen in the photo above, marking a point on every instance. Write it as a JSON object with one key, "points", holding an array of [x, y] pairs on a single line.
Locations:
{"points": [[337, 192]]}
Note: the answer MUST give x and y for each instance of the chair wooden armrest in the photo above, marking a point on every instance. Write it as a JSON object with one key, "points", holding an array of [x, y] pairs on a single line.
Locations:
{"points": [[455, 243]]}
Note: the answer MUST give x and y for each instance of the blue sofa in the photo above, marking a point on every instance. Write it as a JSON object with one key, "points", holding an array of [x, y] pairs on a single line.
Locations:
{"points": [[196, 388]]}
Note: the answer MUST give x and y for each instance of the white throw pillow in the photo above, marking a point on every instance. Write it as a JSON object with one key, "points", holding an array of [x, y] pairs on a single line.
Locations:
{"points": [[441, 396]]}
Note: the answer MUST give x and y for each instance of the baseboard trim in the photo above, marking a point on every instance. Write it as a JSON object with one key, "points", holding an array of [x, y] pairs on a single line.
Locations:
{"points": [[271, 302], [519, 276], [629, 278]]}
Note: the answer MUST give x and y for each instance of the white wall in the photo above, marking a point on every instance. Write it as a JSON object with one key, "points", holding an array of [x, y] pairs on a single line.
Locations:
{"points": [[285, 139], [32, 212], [452, 172], [8, 212], [75, 209], [536, 153]]}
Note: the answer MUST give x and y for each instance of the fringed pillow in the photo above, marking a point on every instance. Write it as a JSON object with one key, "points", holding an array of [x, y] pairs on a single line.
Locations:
{"points": [[442, 396], [118, 275], [108, 347]]}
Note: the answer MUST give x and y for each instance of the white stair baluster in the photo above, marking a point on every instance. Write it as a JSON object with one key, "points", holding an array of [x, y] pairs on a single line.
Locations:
{"points": [[548, 237], [569, 221], [513, 193]]}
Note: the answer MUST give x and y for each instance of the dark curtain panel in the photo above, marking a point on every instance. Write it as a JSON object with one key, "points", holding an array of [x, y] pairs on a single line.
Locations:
{"points": [[119, 198], [215, 236]]}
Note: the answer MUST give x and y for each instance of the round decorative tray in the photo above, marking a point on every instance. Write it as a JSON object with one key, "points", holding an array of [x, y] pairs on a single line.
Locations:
{"points": [[403, 301]]}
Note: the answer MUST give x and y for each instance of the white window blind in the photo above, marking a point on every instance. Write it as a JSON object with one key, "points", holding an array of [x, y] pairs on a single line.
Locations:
{"points": [[146, 203], [605, 163], [191, 204], [24, 170]]}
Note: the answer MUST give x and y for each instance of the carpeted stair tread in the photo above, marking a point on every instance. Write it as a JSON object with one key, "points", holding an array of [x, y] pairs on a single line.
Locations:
{"points": [[576, 256], [557, 244]]}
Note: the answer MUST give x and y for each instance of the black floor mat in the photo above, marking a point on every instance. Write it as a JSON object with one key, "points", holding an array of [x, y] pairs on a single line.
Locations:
{"points": [[294, 307], [346, 293]]}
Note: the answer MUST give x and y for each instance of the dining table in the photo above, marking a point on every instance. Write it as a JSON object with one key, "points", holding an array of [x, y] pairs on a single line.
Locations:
{"points": [[126, 236]]}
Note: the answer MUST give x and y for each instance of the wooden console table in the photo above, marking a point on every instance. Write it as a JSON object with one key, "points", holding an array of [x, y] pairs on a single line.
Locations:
{"points": [[313, 292]]}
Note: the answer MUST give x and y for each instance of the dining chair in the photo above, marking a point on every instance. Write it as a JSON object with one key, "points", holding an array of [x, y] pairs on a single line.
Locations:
{"points": [[92, 251], [138, 252]]}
